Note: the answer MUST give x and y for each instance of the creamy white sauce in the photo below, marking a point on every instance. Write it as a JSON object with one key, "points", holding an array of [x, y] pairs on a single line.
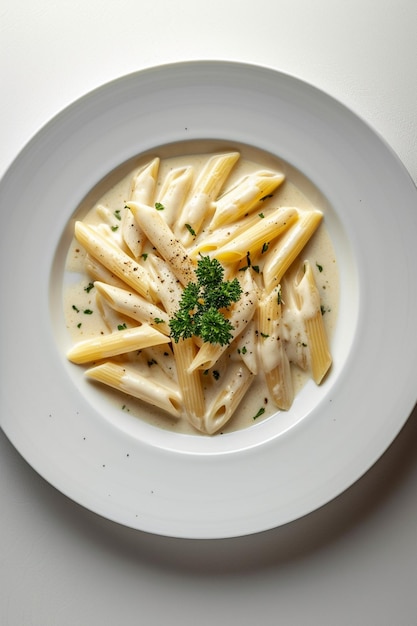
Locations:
{"points": [[82, 314]]}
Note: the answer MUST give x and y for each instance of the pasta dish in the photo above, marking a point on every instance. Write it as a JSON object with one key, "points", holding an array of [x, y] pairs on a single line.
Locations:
{"points": [[197, 284]]}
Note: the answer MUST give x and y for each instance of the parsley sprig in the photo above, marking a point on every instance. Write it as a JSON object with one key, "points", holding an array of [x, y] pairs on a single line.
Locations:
{"points": [[202, 304]]}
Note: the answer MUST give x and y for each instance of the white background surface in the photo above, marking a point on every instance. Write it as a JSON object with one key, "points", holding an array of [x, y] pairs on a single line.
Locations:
{"points": [[355, 560]]}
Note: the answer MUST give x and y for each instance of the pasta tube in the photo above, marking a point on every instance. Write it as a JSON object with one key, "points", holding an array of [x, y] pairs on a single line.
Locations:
{"points": [[309, 304], [110, 316], [190, 383], [246, 346], [143, 189], [209, 182], [279, 258], [115, 260], [134, 306], [169, 288], [127, 379], [252, 239], [245, 196], [97, 271], [164, 240], [238, 381], [174, 190], [116, 343], [274, 360], [222, 236]]}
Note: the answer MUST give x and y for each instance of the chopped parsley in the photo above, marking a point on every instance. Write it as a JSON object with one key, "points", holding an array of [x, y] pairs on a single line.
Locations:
{"points": [[88, 312], [259, 413], [117, 214], [319, 267], [121, 326], [190, 229], [89, 287], [159, 206], [201, 306]]}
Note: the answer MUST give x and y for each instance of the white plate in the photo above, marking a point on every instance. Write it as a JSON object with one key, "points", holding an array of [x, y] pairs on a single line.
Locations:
{"points": [[275, 471]]}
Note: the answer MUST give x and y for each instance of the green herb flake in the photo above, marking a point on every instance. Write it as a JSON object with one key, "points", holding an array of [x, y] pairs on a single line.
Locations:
{"points": [[190, 229], [144, 256], [259, 413], [261, 215], [279, 297], [117, 214], [264, 335], [159, 206], [121, 326], [270, 195], [88, 312], [216, 375], [114, 228], [79, 325], [89, 287], [202, 303], [76, 309], [265, 247], [319, 267], [158, 320]]}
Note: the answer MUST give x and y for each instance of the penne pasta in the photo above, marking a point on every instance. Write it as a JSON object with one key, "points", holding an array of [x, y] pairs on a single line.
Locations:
{"points": [[212, 241], [116, 343], [208, 185], [199, 291], [281, 256], [143, 190], [115, 260], [97, 271], [163, 395], [134, 306], [246, 347], [234, 387], [164, 240], [168, 286], [190, 383], [274, 360], [263, 231], [309, 305], [245, 196], [110, 316], [174, 190]]}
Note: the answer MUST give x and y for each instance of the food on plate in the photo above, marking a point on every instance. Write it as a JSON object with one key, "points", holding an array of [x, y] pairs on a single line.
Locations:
{"points": [[200, 284]]}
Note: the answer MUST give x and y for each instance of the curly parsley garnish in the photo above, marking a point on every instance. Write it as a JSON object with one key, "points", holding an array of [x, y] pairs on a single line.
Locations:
{"points": [[200, 309]]}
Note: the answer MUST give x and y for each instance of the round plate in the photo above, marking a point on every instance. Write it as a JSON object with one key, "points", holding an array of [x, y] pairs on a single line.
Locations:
{"points": [[288, 465]]}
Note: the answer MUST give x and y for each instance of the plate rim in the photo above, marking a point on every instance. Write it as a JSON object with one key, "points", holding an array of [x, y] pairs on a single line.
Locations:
{"points": [[160, 526]]}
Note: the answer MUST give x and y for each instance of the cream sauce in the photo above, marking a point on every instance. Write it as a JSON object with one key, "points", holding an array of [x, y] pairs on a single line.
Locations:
{"points": [[84, 319]]}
